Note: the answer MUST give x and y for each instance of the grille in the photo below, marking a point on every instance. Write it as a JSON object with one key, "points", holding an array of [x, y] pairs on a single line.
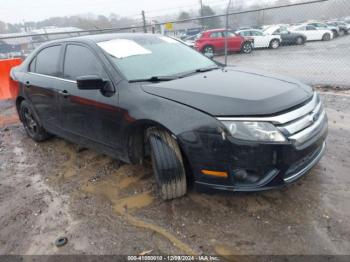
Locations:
{"points": [[309, 120]]}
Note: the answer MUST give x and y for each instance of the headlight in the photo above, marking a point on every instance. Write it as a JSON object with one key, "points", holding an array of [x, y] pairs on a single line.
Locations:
{"points": [[254, 131]]}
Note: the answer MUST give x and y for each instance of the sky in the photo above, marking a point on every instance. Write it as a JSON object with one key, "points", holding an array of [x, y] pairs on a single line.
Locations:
{"points": [[15, 11]]}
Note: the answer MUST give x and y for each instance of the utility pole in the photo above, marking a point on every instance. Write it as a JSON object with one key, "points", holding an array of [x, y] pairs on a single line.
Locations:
{"points": [[201, 11], [144, 21], [226, 30]]}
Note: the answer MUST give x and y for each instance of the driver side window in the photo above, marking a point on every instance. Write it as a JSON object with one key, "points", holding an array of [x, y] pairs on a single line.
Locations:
{"points": [[80, 61]]}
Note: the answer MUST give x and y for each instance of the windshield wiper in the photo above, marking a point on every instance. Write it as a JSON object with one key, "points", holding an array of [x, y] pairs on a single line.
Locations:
{"points": [[206, 69], [154, 79], [199, 70]]}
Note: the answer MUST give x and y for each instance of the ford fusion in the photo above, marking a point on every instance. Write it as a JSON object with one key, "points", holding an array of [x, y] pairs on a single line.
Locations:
{"points": [[140, 96]]}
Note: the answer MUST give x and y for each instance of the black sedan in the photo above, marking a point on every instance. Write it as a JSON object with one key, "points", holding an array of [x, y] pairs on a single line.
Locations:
{"points": [[288, 37], [139, 96]]}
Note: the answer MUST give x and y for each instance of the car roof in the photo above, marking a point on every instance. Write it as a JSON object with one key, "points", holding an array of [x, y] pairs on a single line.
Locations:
{"points": [[102, 37], [247, 30], [214, 30]]}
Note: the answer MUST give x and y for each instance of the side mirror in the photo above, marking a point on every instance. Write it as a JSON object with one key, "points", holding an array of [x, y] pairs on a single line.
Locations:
{"points": [[91, 82]]}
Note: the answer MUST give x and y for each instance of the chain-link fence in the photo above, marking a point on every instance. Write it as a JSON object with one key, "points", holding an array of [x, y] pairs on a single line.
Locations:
{"points": [[307, 40]]}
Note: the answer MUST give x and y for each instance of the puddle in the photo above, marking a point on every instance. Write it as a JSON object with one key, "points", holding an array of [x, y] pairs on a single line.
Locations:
{"points": [[112, 188]]}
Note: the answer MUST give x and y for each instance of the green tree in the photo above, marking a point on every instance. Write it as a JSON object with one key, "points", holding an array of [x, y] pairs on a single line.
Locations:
{"points": [[209, 23], [183, 16], [2, 27]]}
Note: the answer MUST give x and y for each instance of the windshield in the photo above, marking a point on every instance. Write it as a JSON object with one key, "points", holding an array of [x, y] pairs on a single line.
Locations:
{"points": [[150, 56]]}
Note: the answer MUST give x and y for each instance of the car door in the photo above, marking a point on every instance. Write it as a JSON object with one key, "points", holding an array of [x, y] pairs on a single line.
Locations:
{"points": [[90, 115], [233, 42], [217, 40], [259, 38], [313, 33], [42, 82]]}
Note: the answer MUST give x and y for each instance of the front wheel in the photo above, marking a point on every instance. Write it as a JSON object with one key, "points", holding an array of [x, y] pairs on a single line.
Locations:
{"points": [[247, 48], [31, 123], [274, 44], [300, 41], [326, 37], [167, 164]]}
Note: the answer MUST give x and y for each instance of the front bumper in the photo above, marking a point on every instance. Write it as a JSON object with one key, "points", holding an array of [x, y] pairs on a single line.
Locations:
{"points": [[253, 166]]}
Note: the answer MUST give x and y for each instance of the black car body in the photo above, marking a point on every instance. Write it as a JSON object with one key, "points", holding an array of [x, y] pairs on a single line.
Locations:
{"points": [[288, 37], [230, 128]]}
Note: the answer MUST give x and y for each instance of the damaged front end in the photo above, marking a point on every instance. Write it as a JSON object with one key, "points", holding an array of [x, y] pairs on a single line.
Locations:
{"points": [[257, 153]]}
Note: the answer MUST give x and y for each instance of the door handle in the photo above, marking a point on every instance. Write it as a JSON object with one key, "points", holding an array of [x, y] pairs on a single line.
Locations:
{"points": [[64, 93]]}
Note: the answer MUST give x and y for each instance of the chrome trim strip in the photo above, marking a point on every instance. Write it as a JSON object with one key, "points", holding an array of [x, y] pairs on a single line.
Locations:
{"points": [[280, 119], [308, 167], [53, 77], [300, 137], [301, 123]]}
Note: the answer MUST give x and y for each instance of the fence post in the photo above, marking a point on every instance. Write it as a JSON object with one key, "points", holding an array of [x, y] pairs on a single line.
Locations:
{"points": [[226, 30], [144, 21]]}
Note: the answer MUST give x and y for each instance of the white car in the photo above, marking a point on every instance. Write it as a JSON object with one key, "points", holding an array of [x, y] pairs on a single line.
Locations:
{"points": [[261, 40], [334, 28], [313, 33], [191, 40]]}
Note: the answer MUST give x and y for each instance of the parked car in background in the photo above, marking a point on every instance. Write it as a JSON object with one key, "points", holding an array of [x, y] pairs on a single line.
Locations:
{"points": [[190, 41], [312, 33], [144, 96], [335, 29], [212, 41], [261, 40], [344, 28], [288, 37]]}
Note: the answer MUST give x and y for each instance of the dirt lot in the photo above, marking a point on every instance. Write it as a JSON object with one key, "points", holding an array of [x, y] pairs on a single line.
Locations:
{"points": [[315, 63], [103, 206]]}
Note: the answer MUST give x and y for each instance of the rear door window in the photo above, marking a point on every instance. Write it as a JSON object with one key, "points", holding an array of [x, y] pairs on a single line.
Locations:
{"points": [[256, 33], [47, 61], [216, 35], [80, 61]]}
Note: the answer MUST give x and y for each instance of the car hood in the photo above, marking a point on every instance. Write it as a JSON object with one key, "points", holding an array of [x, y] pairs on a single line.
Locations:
{"points": [[234, 91]]}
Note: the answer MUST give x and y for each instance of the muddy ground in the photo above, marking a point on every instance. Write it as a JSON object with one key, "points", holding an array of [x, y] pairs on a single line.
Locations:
{"points": [[103, 206]]}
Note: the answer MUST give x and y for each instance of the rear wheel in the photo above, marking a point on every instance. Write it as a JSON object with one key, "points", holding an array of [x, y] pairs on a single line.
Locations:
{"points": [[167, 164], [31, 123], [208, 49], [247, 48], [274, 44], [326, 37]]}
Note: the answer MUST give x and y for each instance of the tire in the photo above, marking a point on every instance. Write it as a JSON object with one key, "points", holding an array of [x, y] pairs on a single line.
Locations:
{"points": [[326, 37], [167, 164], [247, 48], [31, 123], [208, 49], [300, 40], [274, 44]]}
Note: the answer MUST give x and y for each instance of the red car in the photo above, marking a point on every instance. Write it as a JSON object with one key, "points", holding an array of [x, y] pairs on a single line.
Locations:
{"points": [[214, 41]]}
